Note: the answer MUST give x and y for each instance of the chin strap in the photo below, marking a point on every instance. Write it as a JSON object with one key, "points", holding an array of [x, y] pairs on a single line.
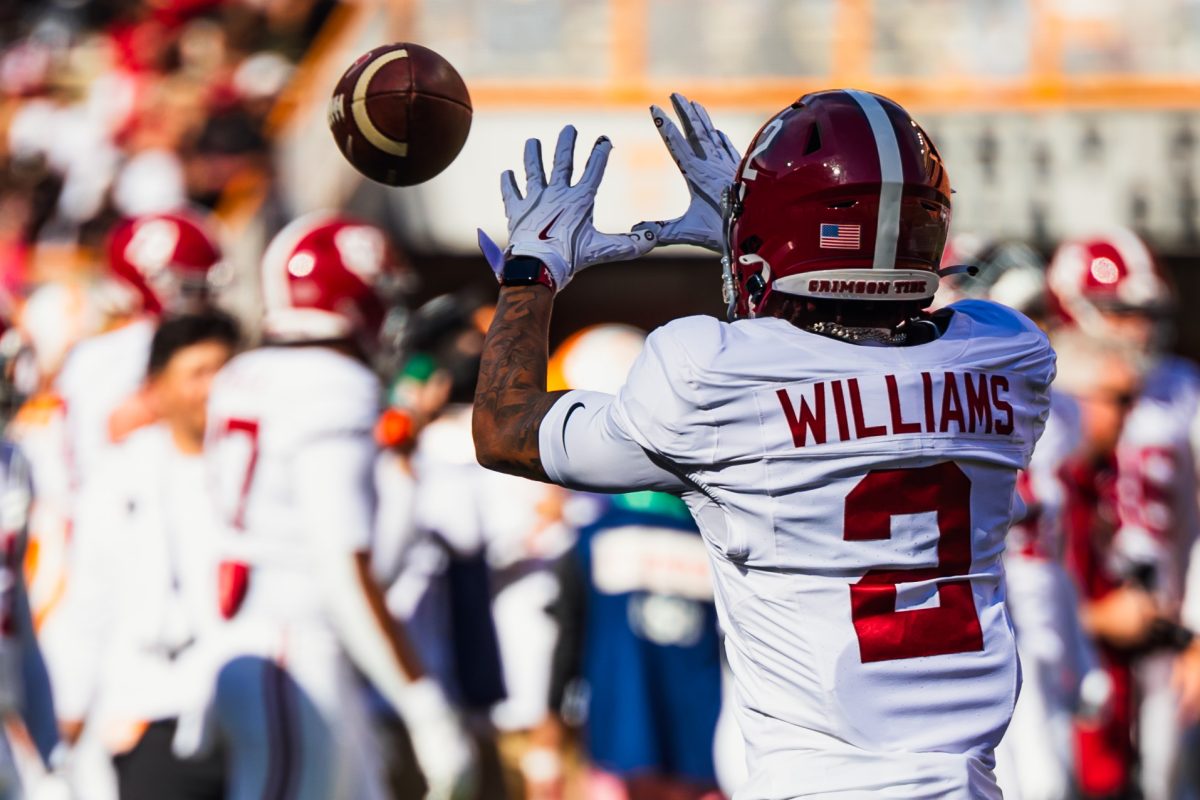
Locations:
{"points": [[958, 269]]}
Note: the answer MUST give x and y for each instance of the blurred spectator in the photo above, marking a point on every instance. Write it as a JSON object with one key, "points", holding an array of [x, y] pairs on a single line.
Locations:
{"points": [[639, 639]]}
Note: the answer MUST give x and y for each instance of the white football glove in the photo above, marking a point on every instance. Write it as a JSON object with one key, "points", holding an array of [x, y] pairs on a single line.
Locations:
{"points": [[708, 161], [552, 222], [443, 747]]}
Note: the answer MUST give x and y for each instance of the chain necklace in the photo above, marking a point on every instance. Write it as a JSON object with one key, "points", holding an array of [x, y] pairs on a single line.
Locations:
{"points": [[846, 333]]}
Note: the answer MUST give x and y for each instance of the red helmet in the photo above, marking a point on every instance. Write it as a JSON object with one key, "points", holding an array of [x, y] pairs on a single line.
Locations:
{"points": [[841, 196], [1114, 272], [326, 277], [166, 258]]}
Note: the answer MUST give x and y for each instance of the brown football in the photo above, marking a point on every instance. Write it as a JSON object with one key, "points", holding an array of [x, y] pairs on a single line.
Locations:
{"points": [[400, 114]]}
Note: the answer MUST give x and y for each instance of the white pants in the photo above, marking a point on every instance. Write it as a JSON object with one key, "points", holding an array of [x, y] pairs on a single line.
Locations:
{"points": [[294, 724]]}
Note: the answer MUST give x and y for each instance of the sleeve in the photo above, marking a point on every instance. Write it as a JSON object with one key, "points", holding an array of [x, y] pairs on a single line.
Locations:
{"points": [[585, 444], [1041, 371], [646, 436]]}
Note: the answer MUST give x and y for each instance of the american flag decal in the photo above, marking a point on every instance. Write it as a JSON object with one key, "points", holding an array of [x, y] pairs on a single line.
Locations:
{"points": [[840, 237]]}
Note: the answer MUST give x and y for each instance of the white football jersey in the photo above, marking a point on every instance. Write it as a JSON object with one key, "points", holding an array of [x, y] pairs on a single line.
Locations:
{"points": [[100, 373], [855, 501], [282, 419], [1156, 487]]}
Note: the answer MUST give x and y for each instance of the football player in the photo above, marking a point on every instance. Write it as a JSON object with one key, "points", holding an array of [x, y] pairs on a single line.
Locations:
{"points": [[850, 460], [291, 457], [159, 262], [1112, 287]]}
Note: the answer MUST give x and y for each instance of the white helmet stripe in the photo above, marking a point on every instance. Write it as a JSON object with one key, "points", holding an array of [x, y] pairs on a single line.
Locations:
{"points": [[891, 172]]}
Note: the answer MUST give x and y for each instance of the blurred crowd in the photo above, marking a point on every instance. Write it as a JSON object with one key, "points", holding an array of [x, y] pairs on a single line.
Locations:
{"points": [[169, 626]]}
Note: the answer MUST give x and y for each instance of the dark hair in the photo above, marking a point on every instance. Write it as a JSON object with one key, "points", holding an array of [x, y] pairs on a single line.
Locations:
{"points": [[184, 330], [444, 329]]}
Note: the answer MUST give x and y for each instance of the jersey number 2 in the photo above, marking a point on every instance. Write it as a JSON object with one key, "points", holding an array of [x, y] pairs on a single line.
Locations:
{"points": [[885, 634]]}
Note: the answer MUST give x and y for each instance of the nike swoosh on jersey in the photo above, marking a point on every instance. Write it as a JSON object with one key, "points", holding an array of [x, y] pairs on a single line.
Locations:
{"points": [[566, 419], [545, 234]]}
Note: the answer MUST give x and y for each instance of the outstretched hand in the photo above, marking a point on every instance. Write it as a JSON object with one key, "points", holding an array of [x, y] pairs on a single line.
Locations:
{"points": [[708, 161], [552, 220]]}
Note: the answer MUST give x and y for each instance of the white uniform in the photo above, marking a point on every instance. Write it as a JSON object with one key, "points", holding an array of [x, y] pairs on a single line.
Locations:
{"points": [[855, 501], [1037, 754], [143, 588], [1159, 521], [291, 459], [99, 374]]}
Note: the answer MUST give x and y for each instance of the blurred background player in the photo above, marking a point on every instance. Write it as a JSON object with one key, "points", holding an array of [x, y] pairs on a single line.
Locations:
{"points": [[142, 596], [1104, 379], [161, 262], [292, 458], [430, 545], [28, 729], [1111, 288], [638, 655], [477, 576]]}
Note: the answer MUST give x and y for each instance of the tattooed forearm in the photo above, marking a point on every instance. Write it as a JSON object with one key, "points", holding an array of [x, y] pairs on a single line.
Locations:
{"points": [[511, 396]]}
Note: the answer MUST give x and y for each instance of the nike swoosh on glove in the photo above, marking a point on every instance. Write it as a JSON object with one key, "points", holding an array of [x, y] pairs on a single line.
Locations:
{"points": [[708, 161], [552, 221]]}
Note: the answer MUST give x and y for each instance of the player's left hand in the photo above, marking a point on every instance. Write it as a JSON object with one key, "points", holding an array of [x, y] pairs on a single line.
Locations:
{"points": [[708, 161], [552, 220]]}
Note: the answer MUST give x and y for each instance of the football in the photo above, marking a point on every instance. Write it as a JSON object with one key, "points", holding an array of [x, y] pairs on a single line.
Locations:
{"points": [[400, 114]]}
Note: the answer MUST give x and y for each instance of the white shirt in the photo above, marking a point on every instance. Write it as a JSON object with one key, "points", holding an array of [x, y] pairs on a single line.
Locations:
{"points": [[143, 583], [100, 373], [855, 502]]}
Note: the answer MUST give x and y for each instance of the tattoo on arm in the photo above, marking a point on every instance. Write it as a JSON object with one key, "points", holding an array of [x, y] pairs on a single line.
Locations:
{"points": [[511, 397]]}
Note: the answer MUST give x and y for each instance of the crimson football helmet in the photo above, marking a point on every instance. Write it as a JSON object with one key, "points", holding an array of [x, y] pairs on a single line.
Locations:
{"points": [[1115, 272], [841, 196], [167, 259], [328, 277]]}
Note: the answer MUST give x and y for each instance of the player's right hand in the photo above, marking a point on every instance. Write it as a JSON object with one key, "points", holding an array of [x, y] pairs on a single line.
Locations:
{"points": [[552, 220], [708, 161]]}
